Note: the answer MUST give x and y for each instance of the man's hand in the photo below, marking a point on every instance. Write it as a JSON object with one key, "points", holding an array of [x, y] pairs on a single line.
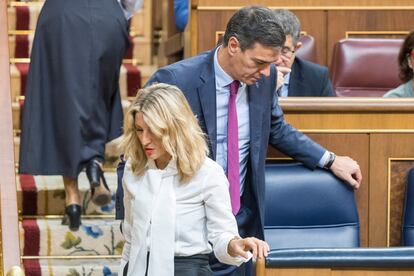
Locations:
{"points": [[281, 72], [239, 247], [347, 169]]}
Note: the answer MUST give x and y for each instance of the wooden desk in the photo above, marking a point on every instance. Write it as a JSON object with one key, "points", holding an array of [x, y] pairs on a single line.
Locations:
{"points": [[379, 134]]}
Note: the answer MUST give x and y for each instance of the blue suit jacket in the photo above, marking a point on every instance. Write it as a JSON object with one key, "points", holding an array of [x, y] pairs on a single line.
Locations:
{"points": [[309, 80], [195, 77]]}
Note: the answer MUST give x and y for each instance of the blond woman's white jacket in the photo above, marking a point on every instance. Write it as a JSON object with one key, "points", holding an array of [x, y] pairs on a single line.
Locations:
{"points": [[168, 218]]}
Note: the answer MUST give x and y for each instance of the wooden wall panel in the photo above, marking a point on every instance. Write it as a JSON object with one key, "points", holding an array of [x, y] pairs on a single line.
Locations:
{"points": [[301, 3], [314, 24], [212, 21], [382, 147], [327, 21], [398, 170]]}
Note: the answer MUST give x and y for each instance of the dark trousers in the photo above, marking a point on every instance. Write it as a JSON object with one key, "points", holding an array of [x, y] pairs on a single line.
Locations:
{"points": [[248, 225], [196, 265]]}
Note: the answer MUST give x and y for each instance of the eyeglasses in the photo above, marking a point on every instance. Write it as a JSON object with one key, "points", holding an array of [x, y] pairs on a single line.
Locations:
{"points": [[286, 51]]}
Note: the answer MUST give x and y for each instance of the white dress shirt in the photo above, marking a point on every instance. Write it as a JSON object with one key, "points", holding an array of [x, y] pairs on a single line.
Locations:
{"points": [[129, 7], [223, 81], [202, 214]]}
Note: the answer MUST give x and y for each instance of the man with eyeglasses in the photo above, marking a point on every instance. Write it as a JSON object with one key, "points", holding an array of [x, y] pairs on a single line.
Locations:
{"points": [[297, 77]]}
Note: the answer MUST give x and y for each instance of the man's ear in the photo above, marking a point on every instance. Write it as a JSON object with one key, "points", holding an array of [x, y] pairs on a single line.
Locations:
{"points": [[233, 45], [298, 45]]}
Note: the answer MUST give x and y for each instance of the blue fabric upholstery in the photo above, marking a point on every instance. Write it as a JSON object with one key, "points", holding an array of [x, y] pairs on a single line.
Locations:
{"points": [[305, 208], [408, 219], [397, 257]]}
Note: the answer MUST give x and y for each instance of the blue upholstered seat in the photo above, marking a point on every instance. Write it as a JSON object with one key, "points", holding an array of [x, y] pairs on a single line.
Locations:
{"points": [[305, 208], [408, 219]]}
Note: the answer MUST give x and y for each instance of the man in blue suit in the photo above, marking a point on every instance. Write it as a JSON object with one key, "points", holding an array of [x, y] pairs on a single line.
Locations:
{"points": [[252, 43], [298, 77]]}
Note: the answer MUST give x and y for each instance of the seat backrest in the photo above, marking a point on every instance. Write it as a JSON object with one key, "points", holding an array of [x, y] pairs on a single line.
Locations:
{"points": [[408, 217], [365, 67], [308, 49], [305, 208]]}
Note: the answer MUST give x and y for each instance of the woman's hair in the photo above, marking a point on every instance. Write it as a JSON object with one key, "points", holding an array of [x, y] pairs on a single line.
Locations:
{"points": [[169, 117], [406, 73]]}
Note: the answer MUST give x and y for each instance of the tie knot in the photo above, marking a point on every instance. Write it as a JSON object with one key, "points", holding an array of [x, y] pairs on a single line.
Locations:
{"points": [[234, 86]]}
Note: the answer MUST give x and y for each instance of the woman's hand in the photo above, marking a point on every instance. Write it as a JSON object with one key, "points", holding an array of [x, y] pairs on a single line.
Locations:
{"points": [[239, 247]]}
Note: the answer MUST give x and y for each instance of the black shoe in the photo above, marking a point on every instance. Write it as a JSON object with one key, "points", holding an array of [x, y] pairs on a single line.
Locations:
{"points": [[93, 172], [72, 216], [101, 194]]}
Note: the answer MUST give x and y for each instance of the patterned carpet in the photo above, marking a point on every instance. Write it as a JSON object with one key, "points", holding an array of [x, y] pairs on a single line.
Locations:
{"points": [[50, 248], [47, 246]]}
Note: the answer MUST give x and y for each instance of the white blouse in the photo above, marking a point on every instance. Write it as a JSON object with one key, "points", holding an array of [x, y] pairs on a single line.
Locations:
{"points": [[169, 218]]}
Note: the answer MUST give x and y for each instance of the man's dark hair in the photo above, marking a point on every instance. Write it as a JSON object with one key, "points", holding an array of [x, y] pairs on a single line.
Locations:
{"points": [[254, 24], [406, 73]]}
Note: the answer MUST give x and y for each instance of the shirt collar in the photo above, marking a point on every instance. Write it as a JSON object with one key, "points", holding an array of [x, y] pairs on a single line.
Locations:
{"points": [[286, 79], [222, 78], [170, 169]]}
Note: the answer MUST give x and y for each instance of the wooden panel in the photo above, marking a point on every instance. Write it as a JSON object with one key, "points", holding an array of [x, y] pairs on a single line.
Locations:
{"points": [[359, 20], [314, 24], [299, 271], [372, 272], [327, 21], [356, 114], [398, 168], [288, 3], [382, 147], [217, 21], [9, 238]]}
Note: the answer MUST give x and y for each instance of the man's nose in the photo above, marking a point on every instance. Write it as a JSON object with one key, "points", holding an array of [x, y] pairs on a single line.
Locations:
{"points": [[265, 71]]}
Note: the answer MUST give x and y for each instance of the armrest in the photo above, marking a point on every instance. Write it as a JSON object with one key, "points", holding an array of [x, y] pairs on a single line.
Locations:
{"points": [[397, 257]]}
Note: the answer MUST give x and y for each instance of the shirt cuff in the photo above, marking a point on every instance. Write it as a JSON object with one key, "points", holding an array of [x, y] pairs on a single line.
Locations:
{"points": [[220, 250], [323, 159]]}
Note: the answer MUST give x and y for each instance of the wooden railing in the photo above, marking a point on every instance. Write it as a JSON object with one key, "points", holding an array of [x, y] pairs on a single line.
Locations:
{"points": [[9, 232]]}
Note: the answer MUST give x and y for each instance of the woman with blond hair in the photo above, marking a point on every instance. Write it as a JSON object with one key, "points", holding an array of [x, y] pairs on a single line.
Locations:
{"points": [[177, 204]]}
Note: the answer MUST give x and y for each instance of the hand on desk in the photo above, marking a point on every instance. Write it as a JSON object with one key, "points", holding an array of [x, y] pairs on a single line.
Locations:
{"points": [[347, 169], [240, 247]]}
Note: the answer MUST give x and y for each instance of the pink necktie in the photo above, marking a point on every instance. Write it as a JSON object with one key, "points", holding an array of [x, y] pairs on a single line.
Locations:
{"points": [[233, 173]]}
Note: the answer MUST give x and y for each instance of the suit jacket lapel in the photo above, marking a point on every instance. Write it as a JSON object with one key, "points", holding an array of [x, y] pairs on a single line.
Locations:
{"points": [[255, 114], [207, 95], [295, 82]]}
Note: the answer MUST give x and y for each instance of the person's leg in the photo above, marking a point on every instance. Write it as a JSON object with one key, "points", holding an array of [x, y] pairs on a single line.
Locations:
{"points": [[73, 208], [101, 195], [71, 191]]}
